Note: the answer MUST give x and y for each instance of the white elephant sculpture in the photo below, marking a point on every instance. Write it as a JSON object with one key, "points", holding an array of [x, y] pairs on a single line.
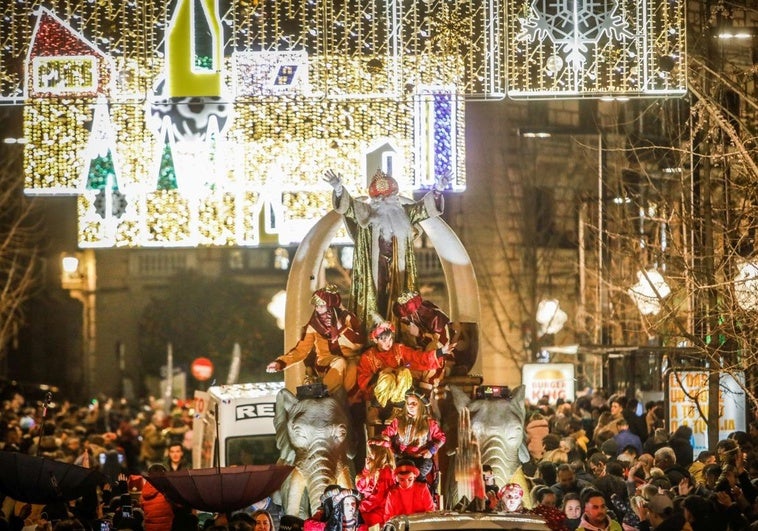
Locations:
{"points": [[312, 435]]}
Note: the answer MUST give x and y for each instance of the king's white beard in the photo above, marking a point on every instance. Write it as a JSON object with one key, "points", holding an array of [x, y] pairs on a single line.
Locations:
{"points": [[388, 219]]}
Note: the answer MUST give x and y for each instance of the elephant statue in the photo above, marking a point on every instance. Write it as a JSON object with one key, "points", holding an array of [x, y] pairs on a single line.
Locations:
{"points": [[490, 431], [312, 435]]}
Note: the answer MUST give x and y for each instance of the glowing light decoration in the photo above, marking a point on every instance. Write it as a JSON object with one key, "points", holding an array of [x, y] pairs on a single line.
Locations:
{"points": [[271, 73], [592, 48], [746, 286], [435, 133], [63, 63], [651, 288], [194, 50], [186, 123]]}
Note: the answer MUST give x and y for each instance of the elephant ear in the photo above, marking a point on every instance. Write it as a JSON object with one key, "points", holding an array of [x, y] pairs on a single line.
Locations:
{"points": [[517, 406], [460, 398], [517, 402], [285, 401]]}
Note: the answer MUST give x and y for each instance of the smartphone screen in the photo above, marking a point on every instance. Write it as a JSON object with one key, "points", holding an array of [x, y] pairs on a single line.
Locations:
{"points": [[126, 511]]}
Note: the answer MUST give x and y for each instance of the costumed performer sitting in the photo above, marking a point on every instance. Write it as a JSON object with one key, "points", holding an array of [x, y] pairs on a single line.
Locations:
{"points": [[423, 325], [415, 435], [384, 371], [338, 511], [511, 498], [407, 496], [336, 336]]}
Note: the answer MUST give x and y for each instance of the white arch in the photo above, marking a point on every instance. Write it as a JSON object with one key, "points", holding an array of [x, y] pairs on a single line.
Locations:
{"points": [[306, 276]]}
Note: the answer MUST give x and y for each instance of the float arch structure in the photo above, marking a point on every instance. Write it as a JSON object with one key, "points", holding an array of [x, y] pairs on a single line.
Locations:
{"points": [[305, 276]]}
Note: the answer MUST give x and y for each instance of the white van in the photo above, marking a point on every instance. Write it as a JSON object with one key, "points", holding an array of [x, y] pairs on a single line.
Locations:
{"points": [[246, 434]]}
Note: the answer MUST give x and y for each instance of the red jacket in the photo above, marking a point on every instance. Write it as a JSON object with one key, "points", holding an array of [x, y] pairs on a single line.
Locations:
{"points": [[159, 515], [416, 499], [414, 447], [374, 495], [399, 355]]}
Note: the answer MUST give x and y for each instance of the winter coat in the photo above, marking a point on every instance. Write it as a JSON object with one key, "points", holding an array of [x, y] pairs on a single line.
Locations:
{"points": [[158, 511], [535, 432]]}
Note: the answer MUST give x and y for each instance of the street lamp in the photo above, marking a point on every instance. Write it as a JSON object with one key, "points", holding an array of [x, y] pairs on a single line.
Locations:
{"points": [[746, 286], [649, 291], [550, 317], [79, 279]]}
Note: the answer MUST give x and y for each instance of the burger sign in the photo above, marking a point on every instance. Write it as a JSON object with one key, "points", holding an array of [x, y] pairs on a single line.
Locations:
{"points": [[553, 380]]}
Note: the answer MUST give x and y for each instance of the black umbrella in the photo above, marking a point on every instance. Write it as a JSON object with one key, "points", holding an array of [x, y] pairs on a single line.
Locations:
{"points": [[220, 490], [34, 479]]}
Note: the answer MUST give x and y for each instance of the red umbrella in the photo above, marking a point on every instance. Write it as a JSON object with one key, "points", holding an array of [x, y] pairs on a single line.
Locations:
{"points": [[34, 479], [220, 490]]}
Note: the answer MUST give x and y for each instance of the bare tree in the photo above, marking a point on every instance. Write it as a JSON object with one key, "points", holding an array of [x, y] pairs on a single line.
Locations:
{"points": [[686, 208], [18, 247]]}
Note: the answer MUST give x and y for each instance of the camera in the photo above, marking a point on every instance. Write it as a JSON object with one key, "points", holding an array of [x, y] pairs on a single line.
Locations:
{"points": [[126, 511]]}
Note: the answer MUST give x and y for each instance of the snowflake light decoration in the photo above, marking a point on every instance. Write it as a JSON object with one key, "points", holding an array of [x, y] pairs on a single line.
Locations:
{"points": [[595, 48], [572, 24]]}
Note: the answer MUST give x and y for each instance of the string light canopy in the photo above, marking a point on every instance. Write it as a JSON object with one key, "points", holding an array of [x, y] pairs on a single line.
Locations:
{"points": [[204, 143]]}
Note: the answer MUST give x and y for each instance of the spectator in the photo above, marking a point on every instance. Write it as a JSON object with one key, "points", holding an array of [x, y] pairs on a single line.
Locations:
{"points": [[567, 482], [657, 440], [536, 430], [159, 514], [263, 521], [176, 459], [595, 513], [665, 459], [572, 508], [625, 437], [680, 443], [697, 467], [153, 442]]}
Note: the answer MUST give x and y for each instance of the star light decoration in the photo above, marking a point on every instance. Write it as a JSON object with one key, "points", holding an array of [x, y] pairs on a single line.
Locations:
{"points": [[746, 286]]}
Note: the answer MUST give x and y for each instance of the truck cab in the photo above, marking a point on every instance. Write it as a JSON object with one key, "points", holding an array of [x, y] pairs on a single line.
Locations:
{"points": [[240, 419]]}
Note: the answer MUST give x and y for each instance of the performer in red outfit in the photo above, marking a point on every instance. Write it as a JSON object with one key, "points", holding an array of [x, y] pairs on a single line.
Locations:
{"points": [[377, 477], [335, 335], [407, 496], [415, 435], [384, 369], [423, 325]]}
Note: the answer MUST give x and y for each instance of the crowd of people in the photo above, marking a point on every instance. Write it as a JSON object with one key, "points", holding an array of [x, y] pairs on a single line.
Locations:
{"points": [[595, 464]]}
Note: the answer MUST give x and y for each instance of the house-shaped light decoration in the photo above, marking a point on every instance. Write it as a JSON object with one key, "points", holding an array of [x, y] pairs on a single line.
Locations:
{"points": [[63, 63]]}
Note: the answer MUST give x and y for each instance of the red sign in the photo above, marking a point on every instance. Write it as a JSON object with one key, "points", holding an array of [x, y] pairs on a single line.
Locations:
{"points": [[202, 369]]}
